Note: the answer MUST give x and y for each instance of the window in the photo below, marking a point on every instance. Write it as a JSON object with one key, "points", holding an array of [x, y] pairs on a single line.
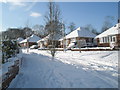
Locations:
{"points": [[105, 40], [114, 39], [101, 40], [108, 39]]}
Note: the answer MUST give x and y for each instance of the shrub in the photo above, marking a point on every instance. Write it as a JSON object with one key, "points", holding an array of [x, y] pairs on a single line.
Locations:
{"points": [[9, 49]]}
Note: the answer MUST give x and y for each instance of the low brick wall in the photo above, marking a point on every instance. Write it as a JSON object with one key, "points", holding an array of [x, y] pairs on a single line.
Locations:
{"points": [[10, 75], [85, 49], [91, 50]]}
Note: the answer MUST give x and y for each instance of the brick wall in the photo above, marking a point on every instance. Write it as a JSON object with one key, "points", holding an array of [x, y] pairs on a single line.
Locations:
{"points": [[30, 44], [11, 74], [118, 40], [108, 44]]}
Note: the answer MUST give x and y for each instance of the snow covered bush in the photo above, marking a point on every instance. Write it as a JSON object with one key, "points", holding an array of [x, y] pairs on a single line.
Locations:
{"points": [[9, 49]]}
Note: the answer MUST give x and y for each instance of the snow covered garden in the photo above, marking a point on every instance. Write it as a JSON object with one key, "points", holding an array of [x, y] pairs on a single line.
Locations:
{"points": [[52, 51], [70, 69]]}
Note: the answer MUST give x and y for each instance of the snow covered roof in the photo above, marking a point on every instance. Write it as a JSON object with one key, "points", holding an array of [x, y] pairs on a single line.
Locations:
{"points": [[23, 41], [80, 32], [32, 38], [20, 39], [111, 31], [43, 39], [56, 37]]}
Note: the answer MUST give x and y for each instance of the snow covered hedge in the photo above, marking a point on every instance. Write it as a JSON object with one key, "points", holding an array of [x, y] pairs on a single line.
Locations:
{"points": [[9, 49]]}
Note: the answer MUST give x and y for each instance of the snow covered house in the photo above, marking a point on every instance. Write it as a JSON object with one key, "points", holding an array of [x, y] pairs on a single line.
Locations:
{"points": [[32, 40], [80, 36], [43, 42], [46, 41], [110, 37], [19, 39]]}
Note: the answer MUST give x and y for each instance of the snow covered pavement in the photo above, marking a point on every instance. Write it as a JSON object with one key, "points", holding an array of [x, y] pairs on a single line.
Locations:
{"points": [[71, 69]]}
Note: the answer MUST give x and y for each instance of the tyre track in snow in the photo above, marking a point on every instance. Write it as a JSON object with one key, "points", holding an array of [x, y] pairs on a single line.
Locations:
{"points": [[103, 77], [53, 80], [106, 79], [49, 73], [98, 75]]}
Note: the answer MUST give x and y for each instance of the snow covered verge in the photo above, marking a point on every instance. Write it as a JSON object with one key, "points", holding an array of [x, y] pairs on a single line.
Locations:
{"points": [[4, 67], [0, 68], [71, 69], [10, 63]]}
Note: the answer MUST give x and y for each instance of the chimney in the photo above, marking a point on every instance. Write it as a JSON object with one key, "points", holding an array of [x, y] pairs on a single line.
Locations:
{"points": [[119, 23], [119, 20]]}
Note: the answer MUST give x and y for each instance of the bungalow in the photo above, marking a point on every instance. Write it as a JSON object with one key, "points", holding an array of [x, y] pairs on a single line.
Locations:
{"points": [[32, 40], [46, 41], [43, 42], [110, 37], [19, 39], [81, 36]]}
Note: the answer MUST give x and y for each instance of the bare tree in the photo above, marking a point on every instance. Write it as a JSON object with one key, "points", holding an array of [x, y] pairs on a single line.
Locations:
{"points": [[91, 28], [53, 26], [64, 39], [108, 22], [72, 26], [39, 30], [27, 27]]}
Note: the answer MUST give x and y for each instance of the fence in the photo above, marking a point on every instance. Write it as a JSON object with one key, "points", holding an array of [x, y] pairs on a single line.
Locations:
{"points": [[10, 75]]}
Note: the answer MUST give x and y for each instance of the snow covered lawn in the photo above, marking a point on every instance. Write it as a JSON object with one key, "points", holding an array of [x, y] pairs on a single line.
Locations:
{"points": [[71, 69]]}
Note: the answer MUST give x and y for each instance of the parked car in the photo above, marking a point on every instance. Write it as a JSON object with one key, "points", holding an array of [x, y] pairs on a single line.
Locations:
{"points": [[71, 45], [42, 48], [88, 45], [34, 47]]}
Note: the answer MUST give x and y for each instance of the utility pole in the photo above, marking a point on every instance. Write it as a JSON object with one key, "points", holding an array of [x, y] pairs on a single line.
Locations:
{"points": [[27, 27], [27, 45], [64, 42], [27, 41]]}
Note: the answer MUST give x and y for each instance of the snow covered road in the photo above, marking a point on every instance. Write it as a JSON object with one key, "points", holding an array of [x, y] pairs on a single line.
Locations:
{"points": [[68, 70]]}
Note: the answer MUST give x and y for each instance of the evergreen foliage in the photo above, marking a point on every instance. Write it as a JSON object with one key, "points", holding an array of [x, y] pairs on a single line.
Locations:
{"points": [[9, 49]]}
